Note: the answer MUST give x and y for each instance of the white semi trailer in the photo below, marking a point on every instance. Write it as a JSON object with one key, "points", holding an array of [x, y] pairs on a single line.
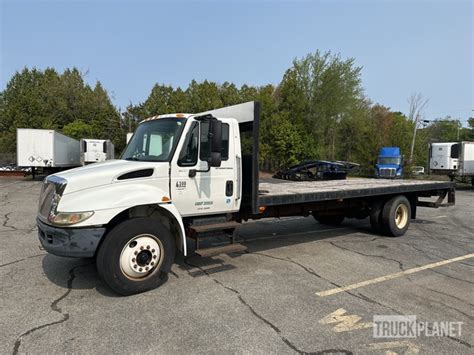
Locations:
{"points": [[46, 150], [454, 159], [186, 176], [96, 150]]}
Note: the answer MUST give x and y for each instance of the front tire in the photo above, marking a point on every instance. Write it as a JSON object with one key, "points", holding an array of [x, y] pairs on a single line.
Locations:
{"points": [[396, 215], [136, 256]]}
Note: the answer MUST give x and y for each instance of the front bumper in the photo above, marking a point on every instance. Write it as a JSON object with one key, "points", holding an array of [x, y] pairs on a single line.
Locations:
{"points": [[71, 242]]}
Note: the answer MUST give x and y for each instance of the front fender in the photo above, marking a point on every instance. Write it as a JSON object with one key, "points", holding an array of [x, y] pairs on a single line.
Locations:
{"points": [[110, 200]]}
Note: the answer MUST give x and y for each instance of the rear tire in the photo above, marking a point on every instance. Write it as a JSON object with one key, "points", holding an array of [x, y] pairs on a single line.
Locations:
{"points": [[136, 256], [331, 220], [376, 218], [396, 216]]}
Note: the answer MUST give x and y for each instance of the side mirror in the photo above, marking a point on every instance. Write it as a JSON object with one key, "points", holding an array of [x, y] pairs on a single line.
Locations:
{"points": [[215, 142]]}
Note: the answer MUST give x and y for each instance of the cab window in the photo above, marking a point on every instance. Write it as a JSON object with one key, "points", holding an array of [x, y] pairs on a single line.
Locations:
{"points": [[189, 153]]}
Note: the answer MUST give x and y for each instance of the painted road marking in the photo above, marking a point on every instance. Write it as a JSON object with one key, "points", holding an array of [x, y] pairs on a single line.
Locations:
{"points": [[345, 322], [392, 276], [411, 349]]}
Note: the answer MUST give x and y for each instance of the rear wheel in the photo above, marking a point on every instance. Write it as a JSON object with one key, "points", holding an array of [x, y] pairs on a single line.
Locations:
{"points": [[396, 215], [331, 220], [136, 256], [376, 217]]}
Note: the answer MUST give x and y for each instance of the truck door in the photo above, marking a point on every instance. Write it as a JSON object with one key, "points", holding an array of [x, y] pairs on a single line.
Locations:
{"points": [[209, 192]]}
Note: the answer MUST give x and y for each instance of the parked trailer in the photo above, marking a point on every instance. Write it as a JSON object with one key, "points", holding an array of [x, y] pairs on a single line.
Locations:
{"points": [[454, 159], [96, 150], [46, 149], [185, 176]]}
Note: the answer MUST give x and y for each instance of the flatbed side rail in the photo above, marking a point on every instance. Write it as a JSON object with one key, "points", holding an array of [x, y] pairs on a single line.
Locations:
{"points": [[434, 189]]}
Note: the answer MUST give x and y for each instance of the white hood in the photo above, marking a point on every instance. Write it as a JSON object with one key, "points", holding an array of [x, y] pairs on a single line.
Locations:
{"points": [[99, 174]]}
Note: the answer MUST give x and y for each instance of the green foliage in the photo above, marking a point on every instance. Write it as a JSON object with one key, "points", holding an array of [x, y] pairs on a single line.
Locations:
{"points": [[319, 92], [64, 102], [78, 129]]}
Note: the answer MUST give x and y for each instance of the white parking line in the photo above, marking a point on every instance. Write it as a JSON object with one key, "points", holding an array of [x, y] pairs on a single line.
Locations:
{"points": [[392, 276]]}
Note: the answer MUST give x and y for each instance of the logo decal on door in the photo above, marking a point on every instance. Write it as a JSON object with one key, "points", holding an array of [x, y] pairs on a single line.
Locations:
{"points": [[180, 185]]}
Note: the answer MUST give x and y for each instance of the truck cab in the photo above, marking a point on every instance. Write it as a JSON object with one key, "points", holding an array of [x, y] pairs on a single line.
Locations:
{"points": [[176, 169], [389, 163]]}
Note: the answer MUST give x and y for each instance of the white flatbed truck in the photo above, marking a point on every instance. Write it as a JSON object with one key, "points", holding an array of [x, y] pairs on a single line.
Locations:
{"points": [[184, 176]]}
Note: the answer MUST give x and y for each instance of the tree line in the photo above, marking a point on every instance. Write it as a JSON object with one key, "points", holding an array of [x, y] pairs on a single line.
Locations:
{"points": [[318, 111]]}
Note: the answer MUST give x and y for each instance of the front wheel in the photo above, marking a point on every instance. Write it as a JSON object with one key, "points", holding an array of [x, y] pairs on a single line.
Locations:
{"points": [[396, 216], [136, 256]]}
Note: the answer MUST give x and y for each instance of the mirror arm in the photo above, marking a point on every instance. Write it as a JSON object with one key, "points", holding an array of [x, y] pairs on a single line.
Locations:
{"points": [[193, 172]]}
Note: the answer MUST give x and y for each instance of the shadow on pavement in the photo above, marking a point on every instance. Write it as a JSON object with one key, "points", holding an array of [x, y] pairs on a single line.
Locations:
{"points": [[76, 274]]}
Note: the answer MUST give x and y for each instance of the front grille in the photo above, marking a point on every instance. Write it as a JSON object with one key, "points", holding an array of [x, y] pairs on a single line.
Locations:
{"points": [[46, 200], [388, 172], [53, 188]]}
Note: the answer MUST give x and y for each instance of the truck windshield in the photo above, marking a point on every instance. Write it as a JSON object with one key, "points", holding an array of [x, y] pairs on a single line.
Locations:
{"points": [[154, 140], [389, 160]]}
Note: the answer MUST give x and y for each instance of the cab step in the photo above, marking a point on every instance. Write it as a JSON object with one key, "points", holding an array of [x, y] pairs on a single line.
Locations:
{"points": [[225, 249]]}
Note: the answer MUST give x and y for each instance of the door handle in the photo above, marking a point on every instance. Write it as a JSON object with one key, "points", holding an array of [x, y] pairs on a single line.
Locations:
{"points": [[229, 188]]}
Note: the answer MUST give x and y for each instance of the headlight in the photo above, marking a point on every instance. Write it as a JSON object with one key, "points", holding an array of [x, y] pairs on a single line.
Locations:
{"points": [[69, 218]]}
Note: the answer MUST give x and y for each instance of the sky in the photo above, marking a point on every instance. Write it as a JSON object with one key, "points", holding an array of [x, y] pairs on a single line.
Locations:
{"points": [[404, 46]]}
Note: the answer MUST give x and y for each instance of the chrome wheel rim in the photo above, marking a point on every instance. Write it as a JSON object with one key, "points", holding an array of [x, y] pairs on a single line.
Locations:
{"points": [[141, 256], [401, 216]]}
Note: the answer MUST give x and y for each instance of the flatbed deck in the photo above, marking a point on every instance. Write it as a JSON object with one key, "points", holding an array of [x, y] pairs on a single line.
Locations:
{"points": [[274, 192]]}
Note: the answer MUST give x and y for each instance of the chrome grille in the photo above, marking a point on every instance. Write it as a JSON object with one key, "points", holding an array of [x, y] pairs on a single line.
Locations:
{"points": [[53, 188], [46, 200], [388, 172]]}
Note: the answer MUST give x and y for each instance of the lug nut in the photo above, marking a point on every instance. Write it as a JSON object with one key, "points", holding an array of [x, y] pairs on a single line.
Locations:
{"points": [[147, 268], [152, 263], [135, 266], [141, 248], [140, 269], [152, 250], [133, 260], [154, 256], [148, 247], [136, 253]]}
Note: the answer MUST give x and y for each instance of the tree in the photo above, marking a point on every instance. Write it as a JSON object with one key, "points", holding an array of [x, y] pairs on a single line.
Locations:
{"points": [[78, 129], [47, 99], [319, 91], [417, 104]]}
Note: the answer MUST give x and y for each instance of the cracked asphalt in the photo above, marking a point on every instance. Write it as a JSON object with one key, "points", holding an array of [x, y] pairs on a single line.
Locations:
{"points": [[260, 301]]}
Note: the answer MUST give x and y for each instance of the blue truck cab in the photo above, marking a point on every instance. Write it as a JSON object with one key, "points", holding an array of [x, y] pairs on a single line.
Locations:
{"points": [[389, 163]]}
